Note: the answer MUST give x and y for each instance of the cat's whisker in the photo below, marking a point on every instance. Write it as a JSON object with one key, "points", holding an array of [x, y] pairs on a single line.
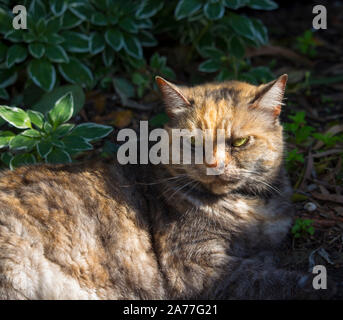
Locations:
{"points": [[272, 188], [153, 183], [166, 187], [179, 189]]}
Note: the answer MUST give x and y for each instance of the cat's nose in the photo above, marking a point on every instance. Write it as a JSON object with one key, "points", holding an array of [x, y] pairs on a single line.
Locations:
{"points": [[214, 164], [217, 160]]}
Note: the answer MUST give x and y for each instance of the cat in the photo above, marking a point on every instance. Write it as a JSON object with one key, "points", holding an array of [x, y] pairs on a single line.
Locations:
{"points": [[100, 230]]}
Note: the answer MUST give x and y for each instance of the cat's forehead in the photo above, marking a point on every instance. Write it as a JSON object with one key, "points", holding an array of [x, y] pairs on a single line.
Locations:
{"points": [[217, 105], [231, 91]]}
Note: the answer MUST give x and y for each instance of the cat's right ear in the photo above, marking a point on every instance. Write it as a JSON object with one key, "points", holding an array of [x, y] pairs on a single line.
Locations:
{"points": [[173, 98]]}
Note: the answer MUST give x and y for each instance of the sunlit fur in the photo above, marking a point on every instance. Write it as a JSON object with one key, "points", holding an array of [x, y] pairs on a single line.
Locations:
{"points": [[228, 106]]}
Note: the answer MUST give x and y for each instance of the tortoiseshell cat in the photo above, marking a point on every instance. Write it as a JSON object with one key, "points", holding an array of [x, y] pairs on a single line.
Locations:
{"points": [[106, 231]]}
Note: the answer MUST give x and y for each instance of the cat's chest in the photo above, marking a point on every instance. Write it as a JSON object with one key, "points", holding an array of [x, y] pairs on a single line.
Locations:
{"points": [[254, 224]]}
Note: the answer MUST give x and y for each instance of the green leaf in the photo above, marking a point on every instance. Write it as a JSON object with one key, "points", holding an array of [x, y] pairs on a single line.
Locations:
{"points": [[14, 35], [209, 66], [53, 25], [42, 73], [21, 142], [53, 38], [43, 148], [159, 120], [48, 100], [15, 116], [37, 9], [109, 149], [133, 46], [310, 230], [58, 155], [147, 39], [82, 10], [40, 27], [144, 24], [76, 72], [186, 8], [63, 129], [7, 77], [96, 43], [157, 62], [237, 49], [58, 7], [76, 143], [36, 118], [242, 25], [32, 133], [99, 19], [62, 111], [108, 56], [235, 4], [56, 53], [21, 160], [6, 158], [124, 87], [168, 73], [91, 131], [75, 41], [148, 8], [128, 24], [57, 143], [214, 11], [263, 4], [212, 52], [37, 50], [29, 37], [5, 138], [70, 20], [114, 38], [47, 127], [261, 32], [15, 54], [139, 79]]}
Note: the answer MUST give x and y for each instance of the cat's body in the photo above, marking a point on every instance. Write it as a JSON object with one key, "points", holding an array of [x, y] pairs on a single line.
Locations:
{"points": [[107, 231], [89, 232]]}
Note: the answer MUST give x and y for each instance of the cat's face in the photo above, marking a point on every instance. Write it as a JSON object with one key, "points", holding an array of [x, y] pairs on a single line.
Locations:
{"points": [[248, 114]]}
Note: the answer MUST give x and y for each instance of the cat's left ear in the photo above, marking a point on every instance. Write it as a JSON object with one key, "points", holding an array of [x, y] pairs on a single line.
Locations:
{"points": [[173, 97], [269, 96]]}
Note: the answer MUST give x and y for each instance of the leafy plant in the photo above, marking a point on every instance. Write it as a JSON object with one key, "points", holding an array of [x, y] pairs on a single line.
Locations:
{"points": [[302, 228], [306, 44], [46, 138], [144, 78], [90, 42], [224, 42], [293, 158], [232, 67], [64, 39], [298, 129], [47, 50], [328, 139]]}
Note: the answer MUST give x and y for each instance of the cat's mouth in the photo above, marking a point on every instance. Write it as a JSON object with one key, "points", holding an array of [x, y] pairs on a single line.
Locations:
{"points": [[228, 179]]}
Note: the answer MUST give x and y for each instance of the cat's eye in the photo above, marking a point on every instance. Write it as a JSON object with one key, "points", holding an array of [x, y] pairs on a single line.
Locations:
{"points": [[239, 142]]}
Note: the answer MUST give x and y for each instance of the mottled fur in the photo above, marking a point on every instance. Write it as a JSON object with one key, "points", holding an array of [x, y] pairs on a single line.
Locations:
{"points": [[105, 231]]}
